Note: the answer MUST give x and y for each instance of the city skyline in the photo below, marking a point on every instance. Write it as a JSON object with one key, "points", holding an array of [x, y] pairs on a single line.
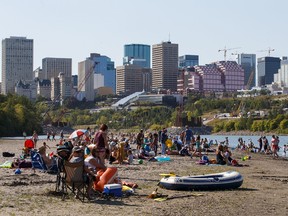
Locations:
{"points": [[71, 29]]}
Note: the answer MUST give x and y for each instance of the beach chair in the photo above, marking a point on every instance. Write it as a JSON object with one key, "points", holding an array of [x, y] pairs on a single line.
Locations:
{"points": [[60, 177], [74, 180], [38, 163]]}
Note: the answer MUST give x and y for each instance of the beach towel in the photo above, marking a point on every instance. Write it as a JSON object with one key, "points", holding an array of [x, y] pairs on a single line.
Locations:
{"points": [[6, 164]]}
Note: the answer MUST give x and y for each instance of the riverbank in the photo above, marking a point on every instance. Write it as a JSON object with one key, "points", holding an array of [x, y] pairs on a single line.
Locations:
{"points": [[263, 191]]}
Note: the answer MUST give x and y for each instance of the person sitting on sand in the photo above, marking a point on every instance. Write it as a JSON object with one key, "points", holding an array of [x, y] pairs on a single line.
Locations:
{"points": [[141, 154], [78, 156], [46, 146], [220, 157], [227, 155], [130, 157], [93, 161]]}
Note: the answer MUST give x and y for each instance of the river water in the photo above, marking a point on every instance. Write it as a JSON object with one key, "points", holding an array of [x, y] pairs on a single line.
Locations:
{"points": [[233, 140]]}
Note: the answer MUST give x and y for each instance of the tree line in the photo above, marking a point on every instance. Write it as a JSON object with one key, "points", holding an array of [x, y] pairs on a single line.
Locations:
{"points": [[18, 114]]}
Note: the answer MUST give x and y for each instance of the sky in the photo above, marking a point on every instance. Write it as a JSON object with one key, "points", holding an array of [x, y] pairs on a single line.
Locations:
{"points": [[76, 28]]}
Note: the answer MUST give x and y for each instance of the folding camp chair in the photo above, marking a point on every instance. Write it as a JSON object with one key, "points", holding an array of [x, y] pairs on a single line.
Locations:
{"points": [[38, 163], [75, 180]]}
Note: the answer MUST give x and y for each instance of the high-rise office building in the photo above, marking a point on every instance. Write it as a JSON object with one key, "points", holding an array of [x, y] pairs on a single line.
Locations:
{"points": [[165, 66], [266, 68], [248, 63], [104, 72], [138, 54], [281, 78], [51, 67], [61, 87], [59, 71], [17, 62], [86, 80], [132, 78], [186, 61]]}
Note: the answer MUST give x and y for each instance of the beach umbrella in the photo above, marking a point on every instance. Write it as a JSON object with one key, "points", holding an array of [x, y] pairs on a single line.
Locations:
{"points": [[77, 133]]}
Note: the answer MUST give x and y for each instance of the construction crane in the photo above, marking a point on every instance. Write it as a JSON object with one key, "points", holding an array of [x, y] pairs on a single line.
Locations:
{"points": [[80, 86], [87, 75], [249, 82], [269, 50], [225, 51]]}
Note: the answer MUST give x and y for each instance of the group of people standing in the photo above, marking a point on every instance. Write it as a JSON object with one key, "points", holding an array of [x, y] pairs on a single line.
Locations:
{"points": [[272, 148]]}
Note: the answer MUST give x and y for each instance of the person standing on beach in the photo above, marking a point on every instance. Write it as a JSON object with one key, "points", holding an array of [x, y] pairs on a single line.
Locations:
{"points": [[101, 142], [61, 134], [24, 135], [274, 146], [48, 135], [35, 138], [53, 136], [260, 144], [188, 136], [140, 139], [164, 138], [154, 144], [265, 144]]}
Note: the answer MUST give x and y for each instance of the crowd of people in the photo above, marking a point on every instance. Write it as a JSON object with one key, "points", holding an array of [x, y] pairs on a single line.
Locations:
{"points": [[99, 148], [264, 146]]}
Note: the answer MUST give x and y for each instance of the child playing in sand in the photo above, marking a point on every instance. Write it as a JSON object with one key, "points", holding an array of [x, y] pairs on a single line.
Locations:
{"points": [[130, 157]]}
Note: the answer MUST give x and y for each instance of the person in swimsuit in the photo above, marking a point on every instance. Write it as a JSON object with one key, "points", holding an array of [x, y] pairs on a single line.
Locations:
{"points": [[101, 142]]}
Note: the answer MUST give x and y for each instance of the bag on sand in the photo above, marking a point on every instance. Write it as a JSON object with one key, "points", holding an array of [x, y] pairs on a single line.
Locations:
{"points": [[8, 154]]}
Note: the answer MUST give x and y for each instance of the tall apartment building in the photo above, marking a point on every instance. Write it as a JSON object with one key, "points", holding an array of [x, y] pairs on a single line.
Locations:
{"points": [[51, 67], [216, 77], [104, 72], [165, 66], [186, 61], [138, 54], [132, 78], [86, 80], [17, 62], [232, 74], [209, 78], [266, 68], [248, 63]]}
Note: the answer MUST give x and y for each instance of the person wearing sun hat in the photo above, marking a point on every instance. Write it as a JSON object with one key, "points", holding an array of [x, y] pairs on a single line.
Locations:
{"points": [[77, 155]]}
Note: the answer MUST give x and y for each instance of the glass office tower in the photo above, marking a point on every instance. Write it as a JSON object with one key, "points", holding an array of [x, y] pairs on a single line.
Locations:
{"points": [[137, 53]]}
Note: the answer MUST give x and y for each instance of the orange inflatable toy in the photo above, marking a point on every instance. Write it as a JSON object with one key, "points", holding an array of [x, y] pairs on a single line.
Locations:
{"points": [[106, 177]]}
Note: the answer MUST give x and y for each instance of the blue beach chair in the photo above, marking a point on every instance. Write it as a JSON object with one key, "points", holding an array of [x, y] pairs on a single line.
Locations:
{"points": [[38, 163]]}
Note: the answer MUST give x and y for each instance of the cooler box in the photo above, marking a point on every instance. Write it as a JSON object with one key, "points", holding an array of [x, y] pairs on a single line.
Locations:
{"points": [[113, 190]]}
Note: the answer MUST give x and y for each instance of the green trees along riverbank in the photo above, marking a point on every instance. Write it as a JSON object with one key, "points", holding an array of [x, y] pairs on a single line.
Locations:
{"points": [[262, 113]]}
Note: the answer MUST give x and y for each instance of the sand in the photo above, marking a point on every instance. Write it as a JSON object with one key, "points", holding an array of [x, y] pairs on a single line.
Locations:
{"points": [[263, 192]]}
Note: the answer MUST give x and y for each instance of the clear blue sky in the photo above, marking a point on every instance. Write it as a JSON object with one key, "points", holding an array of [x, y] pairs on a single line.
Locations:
{"points": [[75, 28]]}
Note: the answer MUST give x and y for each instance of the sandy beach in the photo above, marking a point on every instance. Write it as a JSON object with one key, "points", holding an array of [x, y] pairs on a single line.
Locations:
{"points": [[263, 192]]}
